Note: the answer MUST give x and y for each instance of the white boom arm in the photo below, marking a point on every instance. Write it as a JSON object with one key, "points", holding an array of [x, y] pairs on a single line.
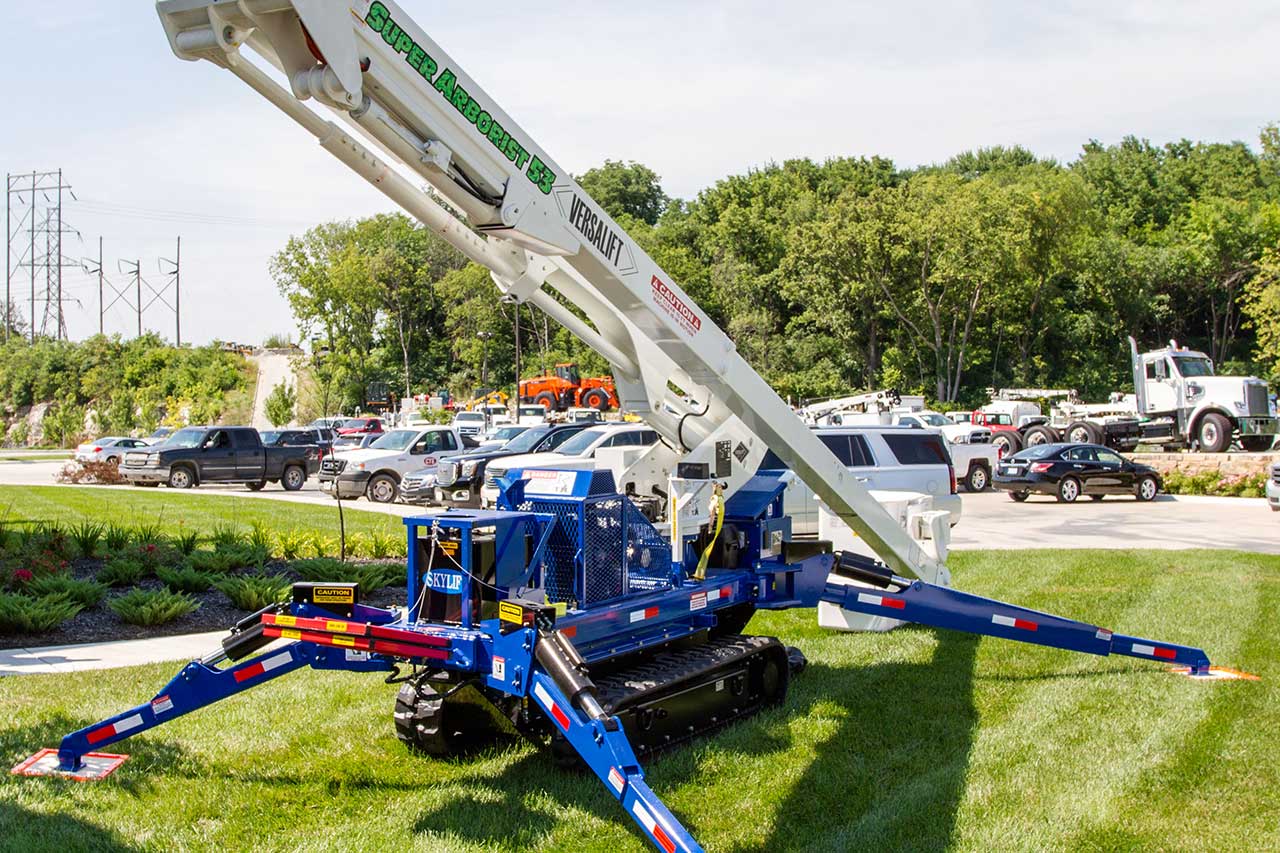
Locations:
{"points": [[544, 239]]}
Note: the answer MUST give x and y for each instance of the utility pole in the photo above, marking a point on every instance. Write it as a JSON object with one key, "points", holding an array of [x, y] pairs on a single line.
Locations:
{"points": [[62, 321], [8, 252], [101, 305], [137, 281], [177, 295], [516, 413]]}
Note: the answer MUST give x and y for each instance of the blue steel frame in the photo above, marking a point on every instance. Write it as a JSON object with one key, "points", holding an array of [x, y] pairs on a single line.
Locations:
{"points": [[374, 640]]}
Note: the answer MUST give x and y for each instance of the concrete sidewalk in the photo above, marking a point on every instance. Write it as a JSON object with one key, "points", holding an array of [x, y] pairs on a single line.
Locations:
{"points": [[54, 659]]}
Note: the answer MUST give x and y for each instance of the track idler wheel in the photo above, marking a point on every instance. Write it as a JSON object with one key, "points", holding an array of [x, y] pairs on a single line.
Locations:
{"points": [[458, 724]]}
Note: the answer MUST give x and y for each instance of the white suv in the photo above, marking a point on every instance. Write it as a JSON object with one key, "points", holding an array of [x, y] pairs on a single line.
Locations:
{"points": [[577, 453], [884, 458]]}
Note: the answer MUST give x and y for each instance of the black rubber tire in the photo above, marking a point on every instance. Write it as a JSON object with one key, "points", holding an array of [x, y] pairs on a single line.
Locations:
{"points": [[546, 400], [1257, 443], [1011, 440], [1213, 433], [456, 725], [1096, 497], [181, 477], [1141, 490], [1069, 489], [147, 485], [978, 479], [1019, 496], [1040, 435], [293, 477], [256, 487], [1082, 432], [382, 489], [596, 399]]}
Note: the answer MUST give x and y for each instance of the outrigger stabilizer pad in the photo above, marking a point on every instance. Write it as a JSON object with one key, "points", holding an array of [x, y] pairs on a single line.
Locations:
{"points": [[94, 766], [1214, 673]]}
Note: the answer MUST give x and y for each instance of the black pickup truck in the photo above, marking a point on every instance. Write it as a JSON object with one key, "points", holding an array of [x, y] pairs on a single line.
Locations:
{"points": [[195, 455]]}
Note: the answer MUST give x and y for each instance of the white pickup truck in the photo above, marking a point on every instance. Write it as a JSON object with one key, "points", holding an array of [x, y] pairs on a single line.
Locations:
{"points": [[375, 471]]}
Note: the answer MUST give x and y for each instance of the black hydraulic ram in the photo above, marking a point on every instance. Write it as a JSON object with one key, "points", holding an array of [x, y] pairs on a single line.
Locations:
{"points": [[569, 671]]}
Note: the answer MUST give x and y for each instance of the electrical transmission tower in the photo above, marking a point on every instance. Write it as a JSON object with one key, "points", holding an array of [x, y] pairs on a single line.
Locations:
{"points": [[23, 196]]}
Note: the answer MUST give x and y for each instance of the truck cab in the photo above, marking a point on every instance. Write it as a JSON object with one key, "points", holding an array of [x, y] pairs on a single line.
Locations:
{"points": [[375, 471], [1186, 403]]}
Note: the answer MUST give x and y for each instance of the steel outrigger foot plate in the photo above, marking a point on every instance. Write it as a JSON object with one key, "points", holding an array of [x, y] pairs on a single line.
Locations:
{"points": [[94, 766], [1215, 673]]}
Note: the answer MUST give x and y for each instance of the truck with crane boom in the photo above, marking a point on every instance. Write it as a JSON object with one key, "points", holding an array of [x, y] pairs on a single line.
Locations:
{"points": [[609, 622]]}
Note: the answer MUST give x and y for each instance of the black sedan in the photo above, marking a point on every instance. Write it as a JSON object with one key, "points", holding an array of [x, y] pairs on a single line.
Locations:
{"points": [[1068, 471]]}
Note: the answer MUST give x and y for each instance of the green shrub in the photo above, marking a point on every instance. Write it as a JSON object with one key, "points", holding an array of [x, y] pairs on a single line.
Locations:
{"points": [[322, 546], [184, 579], [260, 538], [226, 559], [321, 569], [358, 545], [225, 536], [186, 542], [84, 593], [152, 607], [21, 614], [147, 534], [116, 538], [377, 575], [254, 592], [50, 538], [122, 571], [290, 544], [86, 535], [383, 545]]}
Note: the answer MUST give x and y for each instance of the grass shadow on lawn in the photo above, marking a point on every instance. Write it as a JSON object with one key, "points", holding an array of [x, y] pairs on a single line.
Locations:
{"points": [[24, 830]]}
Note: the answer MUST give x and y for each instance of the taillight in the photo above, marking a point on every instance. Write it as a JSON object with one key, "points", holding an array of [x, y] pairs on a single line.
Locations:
{"points": [[952, 471], [97, 450], [1041, 467]]}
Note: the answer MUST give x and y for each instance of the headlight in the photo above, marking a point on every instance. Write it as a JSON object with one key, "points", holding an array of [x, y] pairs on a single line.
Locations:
{"points": [[469, 468], [359, 466], [1194, 389], [959, 439], [1241, 407]]}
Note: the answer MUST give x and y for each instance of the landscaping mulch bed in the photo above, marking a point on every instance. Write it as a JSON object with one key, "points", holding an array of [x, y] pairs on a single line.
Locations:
{"points": [[100, 624]]}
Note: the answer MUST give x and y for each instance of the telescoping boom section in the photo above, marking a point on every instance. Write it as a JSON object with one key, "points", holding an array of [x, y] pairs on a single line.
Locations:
{"points": [[602, 611]]}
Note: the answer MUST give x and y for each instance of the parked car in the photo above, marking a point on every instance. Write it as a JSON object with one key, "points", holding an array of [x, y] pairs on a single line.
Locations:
{"points": [[1068, 471], [212, 454], [361, 426], [158, 436], [458, 480], [583, 414], [355, 441], [298, 438], [471, 423], [109, 448], [376, 471], [578, 453], [1273, 488], [881, 457], [330, 423], [500, 435], [530, 415]]}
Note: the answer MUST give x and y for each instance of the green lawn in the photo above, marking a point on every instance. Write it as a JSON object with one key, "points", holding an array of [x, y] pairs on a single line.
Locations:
{"points": [[176, 511], [912, 740]]}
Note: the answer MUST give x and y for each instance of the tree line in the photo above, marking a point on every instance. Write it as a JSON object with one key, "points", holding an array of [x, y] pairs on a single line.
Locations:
{"points": [[994, 268]]}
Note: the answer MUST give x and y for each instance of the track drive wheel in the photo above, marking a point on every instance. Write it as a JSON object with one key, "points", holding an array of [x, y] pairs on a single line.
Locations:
{"points": [[454, 725]]}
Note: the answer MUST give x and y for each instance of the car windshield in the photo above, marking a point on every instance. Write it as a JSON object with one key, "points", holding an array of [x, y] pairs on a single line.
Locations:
{"points": [[506, 433], [470, 416], [354, 423], [933, 419], [1040, 451], [534, 411], [270, 436], [397, 439], [1193, 365], [186, 438], [581, 442], [525, 441]]}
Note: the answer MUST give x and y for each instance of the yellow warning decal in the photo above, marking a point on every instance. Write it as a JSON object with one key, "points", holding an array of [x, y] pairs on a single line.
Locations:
{"points": [[333, 595], [291, 634], [335, 626], [508, 612], [287, 621], [449, 546], [344, 641]]}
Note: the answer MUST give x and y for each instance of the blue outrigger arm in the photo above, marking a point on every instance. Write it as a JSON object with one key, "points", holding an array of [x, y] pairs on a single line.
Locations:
{"points": [[941, 607]]}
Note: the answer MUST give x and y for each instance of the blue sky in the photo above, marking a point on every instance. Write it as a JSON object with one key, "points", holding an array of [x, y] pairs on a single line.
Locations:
{"points": [[157, 147]]}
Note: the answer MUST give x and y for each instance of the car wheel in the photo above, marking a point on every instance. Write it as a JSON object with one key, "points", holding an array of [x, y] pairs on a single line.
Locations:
{"points": [[382, 489], [977, 479], [1006, 443], [1040, 435], [181, 478], [1019, 496], [293, 478], [113, 461], [546, 400], [1068, 490], [256, 487], [1147, 488], [1082, 432], [1214, 433]]}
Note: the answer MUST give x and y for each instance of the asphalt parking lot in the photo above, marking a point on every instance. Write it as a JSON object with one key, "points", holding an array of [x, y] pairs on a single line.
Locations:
{"points": [[991, 520]]}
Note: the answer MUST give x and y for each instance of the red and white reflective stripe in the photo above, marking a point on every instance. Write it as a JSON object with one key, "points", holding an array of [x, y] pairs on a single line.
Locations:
{"points": [[119, 727], [557, 713], [1154, 651], [274, 662], [641, 615], [1104, 635], [1011, 622], [881, 601], [647, 821], [617, 780]]}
